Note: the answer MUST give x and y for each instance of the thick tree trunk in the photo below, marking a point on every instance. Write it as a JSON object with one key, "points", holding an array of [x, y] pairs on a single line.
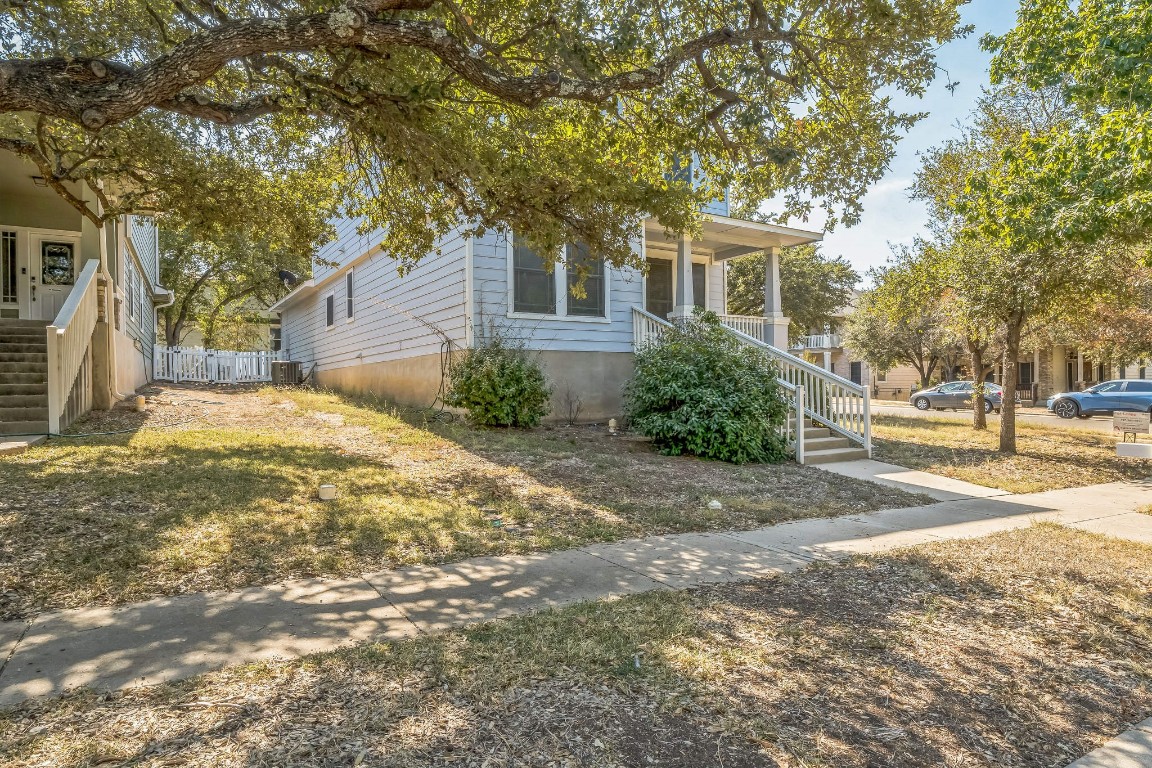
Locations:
{"points": [[1014, 328], [979, 418]]}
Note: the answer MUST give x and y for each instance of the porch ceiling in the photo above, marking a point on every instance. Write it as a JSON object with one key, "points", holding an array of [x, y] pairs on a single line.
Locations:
{"points": [[727, 237], [25, 203]]}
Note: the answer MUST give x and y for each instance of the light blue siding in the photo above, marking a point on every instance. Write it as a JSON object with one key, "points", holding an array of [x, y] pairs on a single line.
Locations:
{"points": [[395, 317], [491, 307]]}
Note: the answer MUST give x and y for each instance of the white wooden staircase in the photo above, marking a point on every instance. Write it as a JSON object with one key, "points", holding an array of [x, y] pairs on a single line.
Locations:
{"points": [[835, 413]]}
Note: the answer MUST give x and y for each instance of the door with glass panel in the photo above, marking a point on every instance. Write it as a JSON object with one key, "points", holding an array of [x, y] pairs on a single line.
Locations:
{"points": [[52, 274]]}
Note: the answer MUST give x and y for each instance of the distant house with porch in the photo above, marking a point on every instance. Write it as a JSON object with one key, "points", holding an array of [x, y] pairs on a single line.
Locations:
{"points": [[366, 328], [77, 303]]}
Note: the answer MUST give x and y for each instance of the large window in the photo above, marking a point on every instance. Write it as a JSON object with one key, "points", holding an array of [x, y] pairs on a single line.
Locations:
{"points": [[534, 287], [580, 261]]}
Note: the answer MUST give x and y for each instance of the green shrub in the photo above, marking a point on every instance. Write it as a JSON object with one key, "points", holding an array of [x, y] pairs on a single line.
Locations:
{"points": [[700, 391], [499, 385]]}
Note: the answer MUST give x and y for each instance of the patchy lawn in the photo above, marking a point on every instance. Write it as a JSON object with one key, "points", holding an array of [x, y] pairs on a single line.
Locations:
{"points": [[1048, 458], [1028, 648], [217, 490]]}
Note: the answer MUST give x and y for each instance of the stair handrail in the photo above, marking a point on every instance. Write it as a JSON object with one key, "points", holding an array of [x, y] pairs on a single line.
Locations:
{"points": [[840, 405], [644, 321], [69, 340]]}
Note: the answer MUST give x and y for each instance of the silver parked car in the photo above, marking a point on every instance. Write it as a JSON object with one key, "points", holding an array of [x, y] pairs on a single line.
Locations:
{"points": [[957, 394]]}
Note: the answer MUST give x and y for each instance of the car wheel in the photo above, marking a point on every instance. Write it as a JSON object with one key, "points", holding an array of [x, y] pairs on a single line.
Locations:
{"points": [[1066, 409], [987, 406], [922, 404]]}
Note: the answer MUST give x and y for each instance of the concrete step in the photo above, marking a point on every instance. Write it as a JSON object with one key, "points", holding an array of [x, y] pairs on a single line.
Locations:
{"points": [[825, 443], [23, 348], [24, 427], [34, 366], [20, 413], [23, 324], [33, 400], [24, 357], [816, 433], [22, 331], [38, 388], [23, 377], [834, 455]]}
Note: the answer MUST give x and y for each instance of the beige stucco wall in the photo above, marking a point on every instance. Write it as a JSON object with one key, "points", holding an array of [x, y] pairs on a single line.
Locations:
{"points": [[596, 379], [131, 372]]}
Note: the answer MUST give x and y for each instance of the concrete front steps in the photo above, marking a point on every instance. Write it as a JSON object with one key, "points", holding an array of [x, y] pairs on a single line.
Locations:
{"points": [[823, 447], [23, 377]]}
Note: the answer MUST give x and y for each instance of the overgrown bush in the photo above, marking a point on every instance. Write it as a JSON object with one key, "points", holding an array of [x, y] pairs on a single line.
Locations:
{"points": [[700, 391], [499, 384]]}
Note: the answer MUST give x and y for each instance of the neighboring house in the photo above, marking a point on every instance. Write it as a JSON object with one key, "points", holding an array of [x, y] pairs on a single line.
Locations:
{"points": [[77, 304], [254, 329], [825, 347]]}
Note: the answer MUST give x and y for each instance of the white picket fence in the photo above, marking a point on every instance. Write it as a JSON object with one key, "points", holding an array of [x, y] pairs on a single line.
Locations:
{"points": [[215, 366]]}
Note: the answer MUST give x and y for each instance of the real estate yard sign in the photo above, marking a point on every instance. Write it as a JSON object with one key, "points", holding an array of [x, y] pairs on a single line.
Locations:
{"points": [[1131, 422]]}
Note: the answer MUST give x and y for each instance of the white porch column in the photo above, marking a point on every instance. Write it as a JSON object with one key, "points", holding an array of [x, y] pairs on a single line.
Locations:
{"points": [[685, 301], [776, 332]]}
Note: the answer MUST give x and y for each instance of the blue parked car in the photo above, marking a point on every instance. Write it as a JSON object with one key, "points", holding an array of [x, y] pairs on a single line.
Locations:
{"points": [[1103, 399]]}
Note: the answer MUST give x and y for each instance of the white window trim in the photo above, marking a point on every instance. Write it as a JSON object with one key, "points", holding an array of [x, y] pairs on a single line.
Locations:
{"points": [[350, 295], [329, 296], [560, 275]]}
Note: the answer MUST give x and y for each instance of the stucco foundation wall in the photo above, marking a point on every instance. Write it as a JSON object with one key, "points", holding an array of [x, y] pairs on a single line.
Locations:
{"points": [[595, 379], [131, 370], [412, 381]]}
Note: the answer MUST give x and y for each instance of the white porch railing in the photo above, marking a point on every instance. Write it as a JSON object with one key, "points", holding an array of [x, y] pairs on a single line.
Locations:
{"points": [[648, 328], [212, 366], [70, 352], [750, 325], [816, 341], [830, 400]]}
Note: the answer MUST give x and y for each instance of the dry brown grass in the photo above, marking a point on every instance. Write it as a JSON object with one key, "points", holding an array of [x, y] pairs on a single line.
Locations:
{"points": [[225, 497], [1049, 458], [1028, 648]]}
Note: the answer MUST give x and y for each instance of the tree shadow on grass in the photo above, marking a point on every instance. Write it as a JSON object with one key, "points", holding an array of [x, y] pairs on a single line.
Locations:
{"points": [[906, 660]]}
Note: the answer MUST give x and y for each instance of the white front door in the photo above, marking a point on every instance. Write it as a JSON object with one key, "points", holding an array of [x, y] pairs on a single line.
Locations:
{"points": [[52, 274]]}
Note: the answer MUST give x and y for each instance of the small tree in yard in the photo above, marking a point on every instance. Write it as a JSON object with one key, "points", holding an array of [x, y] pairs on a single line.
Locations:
{"points": [[499, 384], [700, 391]]}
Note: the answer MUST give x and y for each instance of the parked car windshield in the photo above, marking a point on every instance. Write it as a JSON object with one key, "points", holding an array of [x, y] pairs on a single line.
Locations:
{"points": [[1108, 386]]}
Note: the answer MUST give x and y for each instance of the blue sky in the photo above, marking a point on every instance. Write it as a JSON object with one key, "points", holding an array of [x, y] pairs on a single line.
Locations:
{"points": [[889, 216]]}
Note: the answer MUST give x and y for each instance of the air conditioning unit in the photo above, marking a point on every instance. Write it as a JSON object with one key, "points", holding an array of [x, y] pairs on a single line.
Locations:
{"points": [[286, 372]]}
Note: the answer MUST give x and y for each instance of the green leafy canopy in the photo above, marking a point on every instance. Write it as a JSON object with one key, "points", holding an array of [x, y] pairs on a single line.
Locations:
{"points": [[557, 118]]}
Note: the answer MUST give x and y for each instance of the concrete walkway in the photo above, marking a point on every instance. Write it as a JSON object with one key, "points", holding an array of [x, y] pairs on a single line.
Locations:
{"points": [[172, 638], [1131, 749]]}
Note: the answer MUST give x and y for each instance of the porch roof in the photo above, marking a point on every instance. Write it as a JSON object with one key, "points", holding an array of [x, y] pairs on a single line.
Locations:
{"points": [[727, 237]]}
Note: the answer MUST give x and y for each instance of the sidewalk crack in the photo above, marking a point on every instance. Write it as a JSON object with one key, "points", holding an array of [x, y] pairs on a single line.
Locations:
{"points": [[16, 645], [398, 609]]}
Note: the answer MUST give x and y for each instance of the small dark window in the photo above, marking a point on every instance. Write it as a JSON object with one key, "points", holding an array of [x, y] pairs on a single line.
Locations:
{"points": [[658, 287], [699, 283], [534, 287], [857, 373], [1024, 375], [329, 310], [579, 258], [348, 295]]}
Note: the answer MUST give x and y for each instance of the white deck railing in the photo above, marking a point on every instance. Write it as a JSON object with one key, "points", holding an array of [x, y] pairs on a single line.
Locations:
{"points": [[817, 341], [70, 352], [751, 325], [212, 366], [648, 329]]}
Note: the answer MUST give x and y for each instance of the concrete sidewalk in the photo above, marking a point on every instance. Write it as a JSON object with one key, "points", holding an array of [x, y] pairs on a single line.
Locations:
{"points": [[178, 637]]}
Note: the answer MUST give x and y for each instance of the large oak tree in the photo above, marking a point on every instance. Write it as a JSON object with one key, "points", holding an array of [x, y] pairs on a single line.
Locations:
{"points": [[558, 118]]}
